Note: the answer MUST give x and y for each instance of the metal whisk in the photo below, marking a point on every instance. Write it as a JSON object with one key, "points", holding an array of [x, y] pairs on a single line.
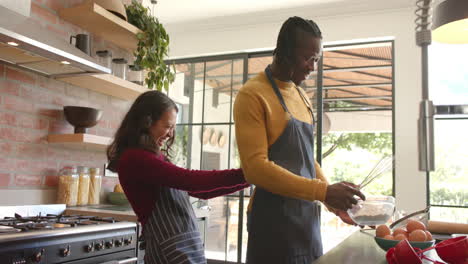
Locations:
{"points": [[385, 164]]}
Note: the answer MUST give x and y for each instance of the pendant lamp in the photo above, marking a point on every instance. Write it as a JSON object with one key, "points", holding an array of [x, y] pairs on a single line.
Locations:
{"points": [[450, 22]]}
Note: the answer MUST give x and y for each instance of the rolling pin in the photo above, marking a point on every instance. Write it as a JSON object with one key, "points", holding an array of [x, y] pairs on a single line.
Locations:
{"points": [[447, 227]]}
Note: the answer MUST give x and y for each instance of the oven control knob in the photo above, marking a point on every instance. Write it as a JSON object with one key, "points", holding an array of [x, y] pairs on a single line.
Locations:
{"points": [[65, 252], [37, 257], [109, 244], [89, 248], [99, 246], [118, 242], [128, 241]]}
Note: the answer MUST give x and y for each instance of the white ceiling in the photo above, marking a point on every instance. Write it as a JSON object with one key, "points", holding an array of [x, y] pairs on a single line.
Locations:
{"points": [[185, 11]]}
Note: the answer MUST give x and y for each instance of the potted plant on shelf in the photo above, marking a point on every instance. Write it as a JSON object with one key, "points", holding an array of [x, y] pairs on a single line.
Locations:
{"points": [[152, 48]]}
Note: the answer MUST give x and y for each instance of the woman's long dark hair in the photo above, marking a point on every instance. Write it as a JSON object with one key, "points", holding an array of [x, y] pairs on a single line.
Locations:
{"points": [[134, 131]]}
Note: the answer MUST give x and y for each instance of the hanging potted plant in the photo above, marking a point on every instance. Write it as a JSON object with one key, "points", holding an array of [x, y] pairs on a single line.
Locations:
{"points": [[152, 48]]}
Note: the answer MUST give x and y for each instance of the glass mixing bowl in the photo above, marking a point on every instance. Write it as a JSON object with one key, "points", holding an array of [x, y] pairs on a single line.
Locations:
{"points": [[375, 210]]}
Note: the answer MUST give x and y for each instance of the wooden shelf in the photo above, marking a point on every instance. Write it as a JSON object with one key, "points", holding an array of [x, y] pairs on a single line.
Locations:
{"points": [[99, 21], [106, 84], [80, 141]]}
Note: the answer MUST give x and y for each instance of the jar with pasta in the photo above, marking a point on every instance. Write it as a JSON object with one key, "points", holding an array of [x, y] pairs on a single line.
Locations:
{"points": [[83, 189], [94, 185], [68, 182]]}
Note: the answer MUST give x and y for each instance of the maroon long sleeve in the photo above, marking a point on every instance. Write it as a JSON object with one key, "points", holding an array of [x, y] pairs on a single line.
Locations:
{"points": [[141, 173]]}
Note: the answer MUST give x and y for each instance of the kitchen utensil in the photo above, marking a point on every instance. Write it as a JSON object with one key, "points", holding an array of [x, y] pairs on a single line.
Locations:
{"points": [[418, 215], [119, 68], [384, 165], [405, 253], [82, 117], [454, 250], [82, 42], [447, 227], [375, 210]]}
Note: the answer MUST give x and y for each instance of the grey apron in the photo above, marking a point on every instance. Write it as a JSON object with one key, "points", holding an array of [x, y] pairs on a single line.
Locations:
{"points": [[285, 230], [171, 233]]}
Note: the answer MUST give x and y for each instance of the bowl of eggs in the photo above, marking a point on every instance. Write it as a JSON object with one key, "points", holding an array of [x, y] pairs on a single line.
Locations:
{"points": [[415, 231]]}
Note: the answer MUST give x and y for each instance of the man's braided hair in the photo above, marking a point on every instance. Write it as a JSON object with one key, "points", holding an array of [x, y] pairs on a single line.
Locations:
{"points": [[287, 37]]}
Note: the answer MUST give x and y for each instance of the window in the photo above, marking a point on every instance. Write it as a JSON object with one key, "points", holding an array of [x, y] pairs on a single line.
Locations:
{"points": [[357, 124], [448, 184]]}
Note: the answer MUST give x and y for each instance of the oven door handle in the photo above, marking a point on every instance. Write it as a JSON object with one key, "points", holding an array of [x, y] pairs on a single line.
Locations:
{"points": [[123, 261], [130, 260]]}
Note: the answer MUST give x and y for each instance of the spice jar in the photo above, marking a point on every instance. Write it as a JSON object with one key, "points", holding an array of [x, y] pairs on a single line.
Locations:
{"points": [[67, 192], [83, 188], [119, 68], [104, 58], [94, 185], [135, 74]]}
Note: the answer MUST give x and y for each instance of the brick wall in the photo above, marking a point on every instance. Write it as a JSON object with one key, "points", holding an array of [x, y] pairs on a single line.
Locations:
{"points": [[31, 107]]}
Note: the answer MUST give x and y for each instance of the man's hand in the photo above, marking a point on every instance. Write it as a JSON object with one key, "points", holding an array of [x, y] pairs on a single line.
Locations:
{"points": [[341, 195], [344, 216]]}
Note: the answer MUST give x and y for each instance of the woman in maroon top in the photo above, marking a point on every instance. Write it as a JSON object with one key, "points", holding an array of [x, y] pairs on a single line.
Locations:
{"points": [[157, 189]]}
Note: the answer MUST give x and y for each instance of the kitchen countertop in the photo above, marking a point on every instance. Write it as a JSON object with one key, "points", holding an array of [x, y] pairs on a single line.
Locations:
{"points": [[118, 212], [361, 248]]}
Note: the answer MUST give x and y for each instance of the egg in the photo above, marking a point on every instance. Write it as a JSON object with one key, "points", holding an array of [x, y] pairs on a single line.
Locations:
{"points": [[382, 230], [428, 236], [400, 230], [389, 237], [400, 237], [417, 235], [415, 225]]}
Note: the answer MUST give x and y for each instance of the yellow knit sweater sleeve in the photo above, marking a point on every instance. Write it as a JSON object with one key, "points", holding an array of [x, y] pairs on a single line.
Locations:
{"points": [[250, 116]]}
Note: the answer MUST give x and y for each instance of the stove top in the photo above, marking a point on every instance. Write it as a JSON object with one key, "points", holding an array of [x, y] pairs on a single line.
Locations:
{"points": [[49, 221], [54, 238]]}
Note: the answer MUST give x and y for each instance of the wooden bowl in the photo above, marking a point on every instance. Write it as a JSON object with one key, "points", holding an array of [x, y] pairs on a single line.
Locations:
{"points": [[114, 6], [82, 117]]}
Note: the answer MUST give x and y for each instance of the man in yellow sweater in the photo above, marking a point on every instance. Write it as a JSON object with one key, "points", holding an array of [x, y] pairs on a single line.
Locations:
{"points": [[274, 131]]}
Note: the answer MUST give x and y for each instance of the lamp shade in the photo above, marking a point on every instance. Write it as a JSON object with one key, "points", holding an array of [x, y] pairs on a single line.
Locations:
{"points": [[450, 24]]}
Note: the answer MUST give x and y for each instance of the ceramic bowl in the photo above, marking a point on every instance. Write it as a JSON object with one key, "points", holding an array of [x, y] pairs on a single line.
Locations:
{"points": [[117, 198], [386, 244], [82, 117]]}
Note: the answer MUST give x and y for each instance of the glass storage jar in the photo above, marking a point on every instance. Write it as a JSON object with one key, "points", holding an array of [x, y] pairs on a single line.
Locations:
{"points": [[119, 68], [94, 185], [105, 58], [83, 188], [68, 182], [135, 74]]}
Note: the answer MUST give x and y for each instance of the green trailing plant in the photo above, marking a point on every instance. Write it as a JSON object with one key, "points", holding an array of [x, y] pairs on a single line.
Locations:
{"points": [[153, 47]]}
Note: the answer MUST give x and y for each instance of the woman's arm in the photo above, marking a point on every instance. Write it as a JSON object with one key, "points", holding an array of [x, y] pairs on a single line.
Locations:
{"points": [[219, 191], [148, 168]]}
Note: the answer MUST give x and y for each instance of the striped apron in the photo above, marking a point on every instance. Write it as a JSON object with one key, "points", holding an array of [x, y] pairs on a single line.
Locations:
{"points": [[171, 231]]}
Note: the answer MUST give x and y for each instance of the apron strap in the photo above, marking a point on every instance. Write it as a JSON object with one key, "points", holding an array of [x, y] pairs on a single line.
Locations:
{"points": [[280, 96], [276, 89]]}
